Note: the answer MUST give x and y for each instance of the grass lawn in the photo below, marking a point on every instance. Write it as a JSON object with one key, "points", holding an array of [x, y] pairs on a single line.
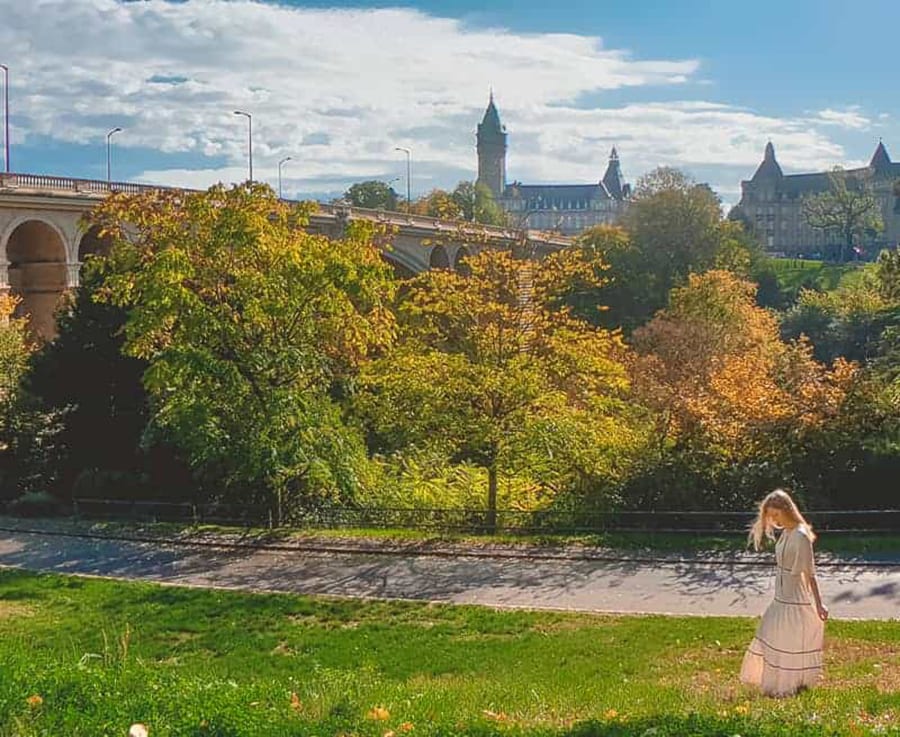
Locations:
{"points": [[796, 274], [90, 657]]}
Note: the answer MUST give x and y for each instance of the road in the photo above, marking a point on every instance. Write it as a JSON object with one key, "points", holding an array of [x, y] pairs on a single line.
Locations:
{"points": [[696, 588]]}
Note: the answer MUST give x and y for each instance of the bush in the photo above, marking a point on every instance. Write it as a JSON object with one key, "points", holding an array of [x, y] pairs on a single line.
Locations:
{"points": [[37, 504], [102, 483]]}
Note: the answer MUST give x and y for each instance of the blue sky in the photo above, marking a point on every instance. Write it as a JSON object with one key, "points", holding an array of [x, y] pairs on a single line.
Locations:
{"points": [[337, 85]]}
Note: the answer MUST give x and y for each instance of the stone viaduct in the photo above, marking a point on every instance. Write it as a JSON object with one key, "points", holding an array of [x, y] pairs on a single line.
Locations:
{"points": [[43, 240]]}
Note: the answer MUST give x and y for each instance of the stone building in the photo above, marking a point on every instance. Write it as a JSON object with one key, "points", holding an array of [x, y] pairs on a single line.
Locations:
{"points": [[773, 203], [566, 208]]}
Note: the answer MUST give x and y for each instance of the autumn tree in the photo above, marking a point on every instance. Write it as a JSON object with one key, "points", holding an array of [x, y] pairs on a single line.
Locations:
{"points": [[247, 323], [727, 391], [438, 203], [373, 195], [673, 227], [492, 368], [847, 209]]}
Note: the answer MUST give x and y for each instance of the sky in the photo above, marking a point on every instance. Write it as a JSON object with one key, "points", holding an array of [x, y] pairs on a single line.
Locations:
{"points": [[701, 85]]}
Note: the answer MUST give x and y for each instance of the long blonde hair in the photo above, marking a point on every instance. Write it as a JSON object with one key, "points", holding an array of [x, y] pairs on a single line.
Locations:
{"points": [[762, 528]]}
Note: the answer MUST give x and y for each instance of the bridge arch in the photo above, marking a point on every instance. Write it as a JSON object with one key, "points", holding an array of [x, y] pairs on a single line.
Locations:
{"points": [[35, 251], [91, 242], [439, 259], [459, 261], [404, 266]]}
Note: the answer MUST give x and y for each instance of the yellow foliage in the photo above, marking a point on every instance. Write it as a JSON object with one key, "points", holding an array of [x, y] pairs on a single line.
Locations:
{"points": [[716, 371]]}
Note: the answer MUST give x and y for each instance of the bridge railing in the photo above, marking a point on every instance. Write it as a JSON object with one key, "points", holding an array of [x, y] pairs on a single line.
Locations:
{"points": [[54, 184], [46, 182], [463, 227], [549, 521]]}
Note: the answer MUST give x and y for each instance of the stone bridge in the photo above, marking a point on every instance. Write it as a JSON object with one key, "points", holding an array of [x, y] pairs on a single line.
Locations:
{"points": [[43, 240]]}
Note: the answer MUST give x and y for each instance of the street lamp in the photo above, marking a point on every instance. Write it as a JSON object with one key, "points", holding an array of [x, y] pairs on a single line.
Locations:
{"points": [[108, 155], [280, 164], [249, 138], [408, 158], [6, 113]]}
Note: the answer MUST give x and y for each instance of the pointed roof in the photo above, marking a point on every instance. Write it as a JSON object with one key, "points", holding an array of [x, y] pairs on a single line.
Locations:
{"points": [[880, 159], [490, 123], [769, 167], [612, 180]]}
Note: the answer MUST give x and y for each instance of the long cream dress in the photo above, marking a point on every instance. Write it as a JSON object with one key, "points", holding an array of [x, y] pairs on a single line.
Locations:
{"points": [[786, 653]]}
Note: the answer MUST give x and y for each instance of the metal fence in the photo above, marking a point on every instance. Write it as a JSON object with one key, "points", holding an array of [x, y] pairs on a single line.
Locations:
{"points": [[549, 521]]}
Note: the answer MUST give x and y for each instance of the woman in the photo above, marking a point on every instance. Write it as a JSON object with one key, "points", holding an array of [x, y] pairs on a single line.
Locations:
{"points": [[786, 653]]}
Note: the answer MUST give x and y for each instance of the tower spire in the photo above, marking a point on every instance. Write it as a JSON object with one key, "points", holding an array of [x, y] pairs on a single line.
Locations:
{"points": [[880, 159], [612, 180], [769, 166], [491, 146]]}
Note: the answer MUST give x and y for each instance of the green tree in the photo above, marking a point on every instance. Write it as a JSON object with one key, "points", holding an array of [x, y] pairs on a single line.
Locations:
{"points": [[95, 392], [476, 203], [247, 323], [84, 376], [888, 274], [24, 430], [848, 209], [373, 195], [492, 369], [14, 351], [673, 227], [846, 322]]}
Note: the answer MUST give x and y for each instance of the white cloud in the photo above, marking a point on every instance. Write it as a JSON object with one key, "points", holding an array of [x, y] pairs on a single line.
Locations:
{"points": [[339, 89], [850, 118]]}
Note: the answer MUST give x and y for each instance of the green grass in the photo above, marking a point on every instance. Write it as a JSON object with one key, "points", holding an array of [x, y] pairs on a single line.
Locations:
{"points": [[796, 274], [102, 655]]}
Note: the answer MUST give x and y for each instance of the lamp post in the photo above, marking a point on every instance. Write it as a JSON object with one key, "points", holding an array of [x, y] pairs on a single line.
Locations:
{"points": [[249, 138], [408, 190], [6, 113], [109, 155], [280, 164]]}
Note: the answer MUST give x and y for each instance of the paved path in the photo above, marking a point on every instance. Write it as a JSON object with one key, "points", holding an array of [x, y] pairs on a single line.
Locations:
{"points": [[851, 592]]}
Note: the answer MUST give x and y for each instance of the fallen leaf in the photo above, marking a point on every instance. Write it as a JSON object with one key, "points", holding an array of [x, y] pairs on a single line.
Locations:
{"points": [[296, 704], [406, 727], [379, 714], [497, 716], [34, 701]]}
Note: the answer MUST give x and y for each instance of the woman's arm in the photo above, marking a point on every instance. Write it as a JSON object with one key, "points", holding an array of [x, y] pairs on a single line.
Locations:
{"points": [[821, 609]]}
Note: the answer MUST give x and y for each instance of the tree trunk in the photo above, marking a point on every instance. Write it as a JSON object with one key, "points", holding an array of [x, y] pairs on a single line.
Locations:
{"points": [[847, 245], [277, 507], [491, 520]]}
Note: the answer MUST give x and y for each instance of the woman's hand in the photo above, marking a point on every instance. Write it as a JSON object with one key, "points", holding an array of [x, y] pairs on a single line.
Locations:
{"points": [[822, 611]]}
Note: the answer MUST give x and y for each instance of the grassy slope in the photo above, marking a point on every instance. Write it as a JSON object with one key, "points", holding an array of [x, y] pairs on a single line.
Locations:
{"points": [[794, 274], [102, 655]]}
